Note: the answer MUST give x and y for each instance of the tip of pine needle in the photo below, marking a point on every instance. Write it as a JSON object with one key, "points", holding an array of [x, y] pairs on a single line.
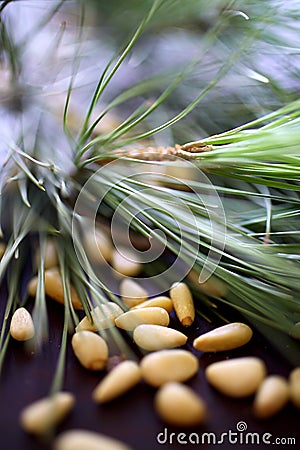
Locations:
{"points": [[40, 185]]}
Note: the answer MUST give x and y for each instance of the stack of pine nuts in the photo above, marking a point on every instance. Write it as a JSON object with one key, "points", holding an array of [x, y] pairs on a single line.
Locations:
{"points": [[164, 366]]}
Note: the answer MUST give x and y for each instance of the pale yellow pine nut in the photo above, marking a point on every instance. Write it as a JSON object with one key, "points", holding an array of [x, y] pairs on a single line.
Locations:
{"points": [[294, 381], [294, 374], [212, 285], [156, 337], [163, 366], [87, 440], [117, 382], [131, 319], [271, 396], [227, 337], [132, 293], [103, 317], [50, 258], [295, 331], [21, 325], [238, 377], [41, 416], [183, 303], [98, 245], [54, 288], [90, 349], [161, 301], [126, 263], [2, 249], [32, 286], [178, 405]]}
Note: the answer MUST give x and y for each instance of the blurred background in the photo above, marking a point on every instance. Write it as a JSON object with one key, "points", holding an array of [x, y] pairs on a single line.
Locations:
{"points": [[242, 58]]}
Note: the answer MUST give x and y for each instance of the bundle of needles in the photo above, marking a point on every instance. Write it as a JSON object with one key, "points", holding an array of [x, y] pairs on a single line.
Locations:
{"points": [[86, 137]]}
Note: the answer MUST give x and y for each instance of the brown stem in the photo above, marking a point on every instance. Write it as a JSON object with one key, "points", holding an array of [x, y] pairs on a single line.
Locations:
{"points": [[188, 151]]}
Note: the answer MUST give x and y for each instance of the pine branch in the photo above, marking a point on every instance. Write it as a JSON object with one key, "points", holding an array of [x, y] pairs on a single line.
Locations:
{"points": [[252, 249]]}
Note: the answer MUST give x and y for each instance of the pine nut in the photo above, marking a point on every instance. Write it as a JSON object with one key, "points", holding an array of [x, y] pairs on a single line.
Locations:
{"points": [[87, 440], [117, 382], [98, 246], [103, 317], [21, 325], [168, 365], [132, 293], [2, 249], [126, 263], [156, 337], [131, 319], [50, 258], [32, 286], [161, 302], [54, 288], [271, 396], [90, 349], [212, 286], [227, 337], [295, 331], [183, 303], [178, 405], [294, 375], [39, 417], [238, 377], [294, 380]]}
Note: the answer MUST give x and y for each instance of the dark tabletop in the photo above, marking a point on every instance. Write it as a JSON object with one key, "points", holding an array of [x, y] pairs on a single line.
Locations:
{"points": [[27, 377]]}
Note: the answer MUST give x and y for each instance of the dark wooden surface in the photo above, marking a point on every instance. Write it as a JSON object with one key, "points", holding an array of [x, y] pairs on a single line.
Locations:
{"points": [[27, 377]]}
